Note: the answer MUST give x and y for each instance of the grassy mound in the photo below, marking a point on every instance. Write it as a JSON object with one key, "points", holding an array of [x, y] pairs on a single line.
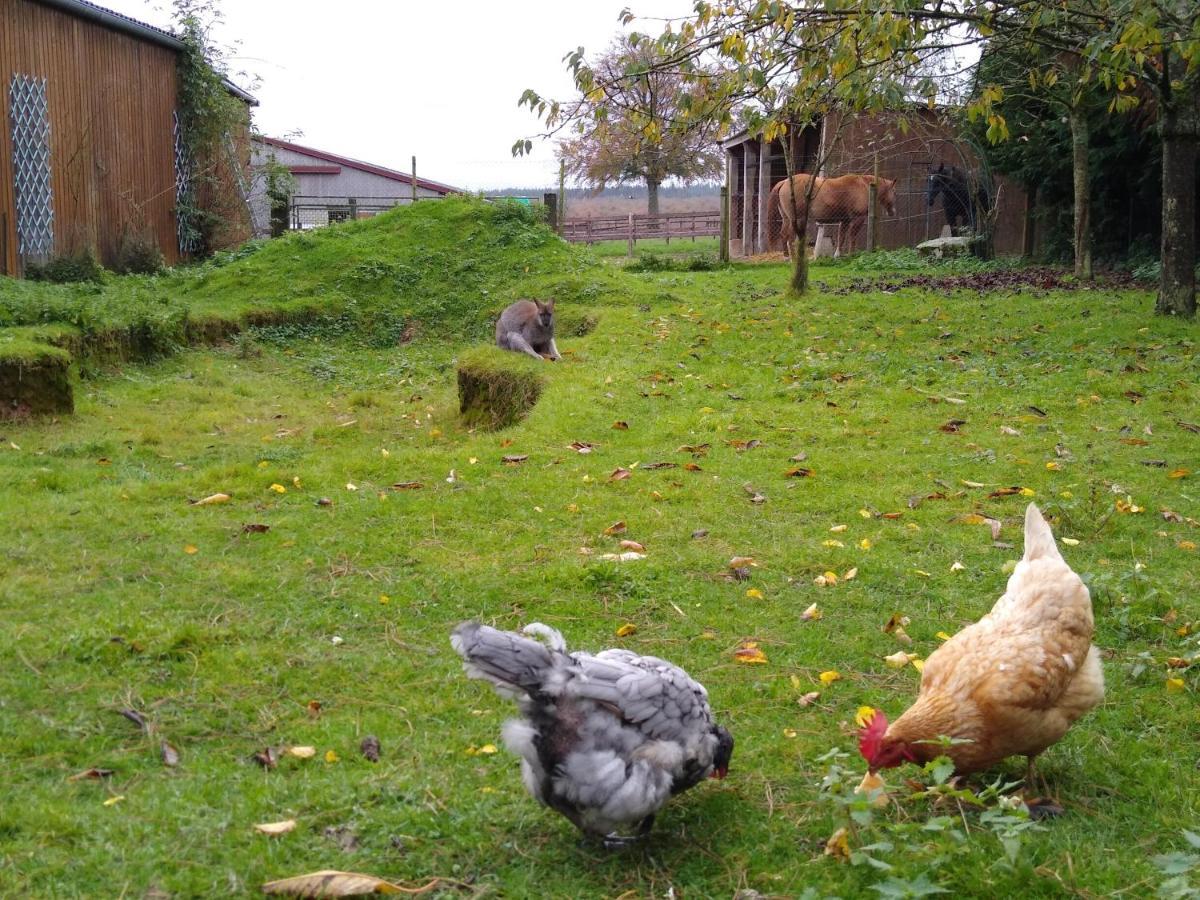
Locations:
{"points": [[35, 376], [497, 388], [444, 268]]}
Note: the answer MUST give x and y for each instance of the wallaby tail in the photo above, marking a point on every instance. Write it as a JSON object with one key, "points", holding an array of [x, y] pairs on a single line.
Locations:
{"points": [[511, 662]]}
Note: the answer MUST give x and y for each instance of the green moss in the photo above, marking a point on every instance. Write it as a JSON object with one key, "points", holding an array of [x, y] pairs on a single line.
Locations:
{"points": [[497, 388]]}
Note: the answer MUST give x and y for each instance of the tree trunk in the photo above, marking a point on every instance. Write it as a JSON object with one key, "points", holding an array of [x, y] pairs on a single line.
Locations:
{"points": [[652, 197], [1083, 192], [799, 282], [1180, 124], [1029, 229]]}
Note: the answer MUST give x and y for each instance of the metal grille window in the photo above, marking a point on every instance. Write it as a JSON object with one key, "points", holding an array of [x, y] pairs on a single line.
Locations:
{"points": [[186, 230], [31, 166]]}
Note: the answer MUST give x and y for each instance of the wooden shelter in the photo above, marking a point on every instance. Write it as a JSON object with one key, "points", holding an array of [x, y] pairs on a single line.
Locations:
{"points": [[905, 148], [90, 147]]}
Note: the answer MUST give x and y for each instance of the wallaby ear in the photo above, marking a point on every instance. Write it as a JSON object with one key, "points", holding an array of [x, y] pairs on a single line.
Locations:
{"points": [[548, 305]]}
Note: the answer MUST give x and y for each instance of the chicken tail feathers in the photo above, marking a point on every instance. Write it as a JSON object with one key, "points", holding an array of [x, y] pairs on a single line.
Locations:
{"points": [[1039, 540], [514, 664]]}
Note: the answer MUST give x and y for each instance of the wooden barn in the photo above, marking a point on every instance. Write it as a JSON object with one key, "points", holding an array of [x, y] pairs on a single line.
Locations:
{"points": [[865, 144], [90, 148]]}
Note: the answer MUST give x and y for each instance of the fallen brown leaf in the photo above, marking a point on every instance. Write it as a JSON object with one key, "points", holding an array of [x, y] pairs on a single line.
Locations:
{"points": [[953, 426], [798, 472], [514, 459], [255, 528], [170, 756], [331, 883], [619, 474], [632, 545], [661, 465], [620, 426], [414, 485], [266, 758], [370, 748], [615, 528], [92, 773]]}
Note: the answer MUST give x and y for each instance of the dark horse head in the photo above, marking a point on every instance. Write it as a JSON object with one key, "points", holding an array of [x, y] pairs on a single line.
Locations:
{"points": [[960, 203]]}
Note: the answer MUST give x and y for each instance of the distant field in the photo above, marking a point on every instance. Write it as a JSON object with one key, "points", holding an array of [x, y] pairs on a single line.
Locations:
{"points": [[599, 207]]}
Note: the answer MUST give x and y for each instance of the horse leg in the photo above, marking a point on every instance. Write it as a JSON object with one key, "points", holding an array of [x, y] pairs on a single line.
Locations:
{"points": [[856, 227]]}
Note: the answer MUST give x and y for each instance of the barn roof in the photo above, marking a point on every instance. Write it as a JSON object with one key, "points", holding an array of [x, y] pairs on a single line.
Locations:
{"points": [[126, 25], [361, 166]]}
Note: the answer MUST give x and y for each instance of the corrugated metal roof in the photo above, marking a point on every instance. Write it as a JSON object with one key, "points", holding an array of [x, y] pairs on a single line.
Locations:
{"points": [[119, 22]]}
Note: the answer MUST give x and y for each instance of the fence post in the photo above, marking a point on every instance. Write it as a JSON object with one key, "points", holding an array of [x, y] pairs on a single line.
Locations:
{"points": [[550, 201], [723, 250], [414, 179], [872, 216], [562, 189], [353, 202], [630, 250]]}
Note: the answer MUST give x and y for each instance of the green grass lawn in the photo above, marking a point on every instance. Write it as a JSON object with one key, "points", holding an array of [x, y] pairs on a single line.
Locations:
{"points": [[333, 624], [681, 247]]}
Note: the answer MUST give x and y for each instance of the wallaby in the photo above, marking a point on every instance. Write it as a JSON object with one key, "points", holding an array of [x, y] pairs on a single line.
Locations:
{"points": [[528, 327]]}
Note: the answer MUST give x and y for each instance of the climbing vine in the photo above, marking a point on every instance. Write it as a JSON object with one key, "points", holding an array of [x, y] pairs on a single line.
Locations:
{"points": [[214, 126]]}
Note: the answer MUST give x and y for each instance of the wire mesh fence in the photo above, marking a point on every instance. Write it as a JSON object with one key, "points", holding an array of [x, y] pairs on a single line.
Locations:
{"points": [[308, 212]]}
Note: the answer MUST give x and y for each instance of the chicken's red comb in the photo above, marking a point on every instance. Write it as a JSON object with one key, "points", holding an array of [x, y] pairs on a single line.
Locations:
{"points": [[871, 736]]}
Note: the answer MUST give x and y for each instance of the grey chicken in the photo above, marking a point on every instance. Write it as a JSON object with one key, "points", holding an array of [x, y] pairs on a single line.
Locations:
{"points": [[605, 740]]}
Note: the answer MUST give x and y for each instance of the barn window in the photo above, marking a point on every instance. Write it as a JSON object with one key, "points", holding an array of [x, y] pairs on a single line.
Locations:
{"points": [[186, 230], [31, 166]]}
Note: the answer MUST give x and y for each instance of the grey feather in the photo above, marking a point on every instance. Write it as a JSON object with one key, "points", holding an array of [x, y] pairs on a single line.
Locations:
{"points": [[605, 739]]}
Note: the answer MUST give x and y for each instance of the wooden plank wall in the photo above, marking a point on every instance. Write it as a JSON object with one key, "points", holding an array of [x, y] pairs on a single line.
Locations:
{"points": [[111, 97]]}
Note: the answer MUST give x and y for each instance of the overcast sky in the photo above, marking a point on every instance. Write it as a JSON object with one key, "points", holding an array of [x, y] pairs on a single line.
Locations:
{"points": [[380, 81]]}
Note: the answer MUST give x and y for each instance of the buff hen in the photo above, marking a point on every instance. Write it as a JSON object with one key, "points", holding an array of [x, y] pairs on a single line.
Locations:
{"points": [[1012, 683]]}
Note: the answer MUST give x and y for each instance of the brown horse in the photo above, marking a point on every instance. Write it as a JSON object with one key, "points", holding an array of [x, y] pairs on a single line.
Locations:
{"points": [[841, 200]]}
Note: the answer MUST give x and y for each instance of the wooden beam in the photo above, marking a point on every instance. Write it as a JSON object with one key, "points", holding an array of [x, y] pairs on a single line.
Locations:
{"points": [[749, 162]]}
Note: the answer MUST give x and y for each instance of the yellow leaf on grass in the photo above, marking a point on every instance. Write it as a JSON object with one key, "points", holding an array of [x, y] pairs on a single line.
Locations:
{"points": [[863, 717], [838, 845], [739, 562], [350, 486], [749, 653], [865, 543], [830, 677], [942, 636], [1027, 492], [487, 749], [1053, 466], [873, 783], [754, 594], [331, 756], [1186, 545], [113, 801], [212, 499], [1174, 684], [384, 599], [789, 732], [191, 549], [302, 752], [865, 513], [626, 630], [276, 828], [837, 529], [897, 660], [1070, 542], [278, 488], [811, 614], [851, 574], [1179, 473], [918, 663], [832, 543]]}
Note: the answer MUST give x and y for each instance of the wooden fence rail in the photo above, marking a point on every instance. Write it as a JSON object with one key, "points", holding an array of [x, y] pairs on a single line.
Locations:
{"points": [[633, 228]]}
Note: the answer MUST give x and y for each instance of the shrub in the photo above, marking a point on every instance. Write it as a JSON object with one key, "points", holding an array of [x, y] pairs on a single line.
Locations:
{"points": [[497, 388], [138, 256], [81, 266]]}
